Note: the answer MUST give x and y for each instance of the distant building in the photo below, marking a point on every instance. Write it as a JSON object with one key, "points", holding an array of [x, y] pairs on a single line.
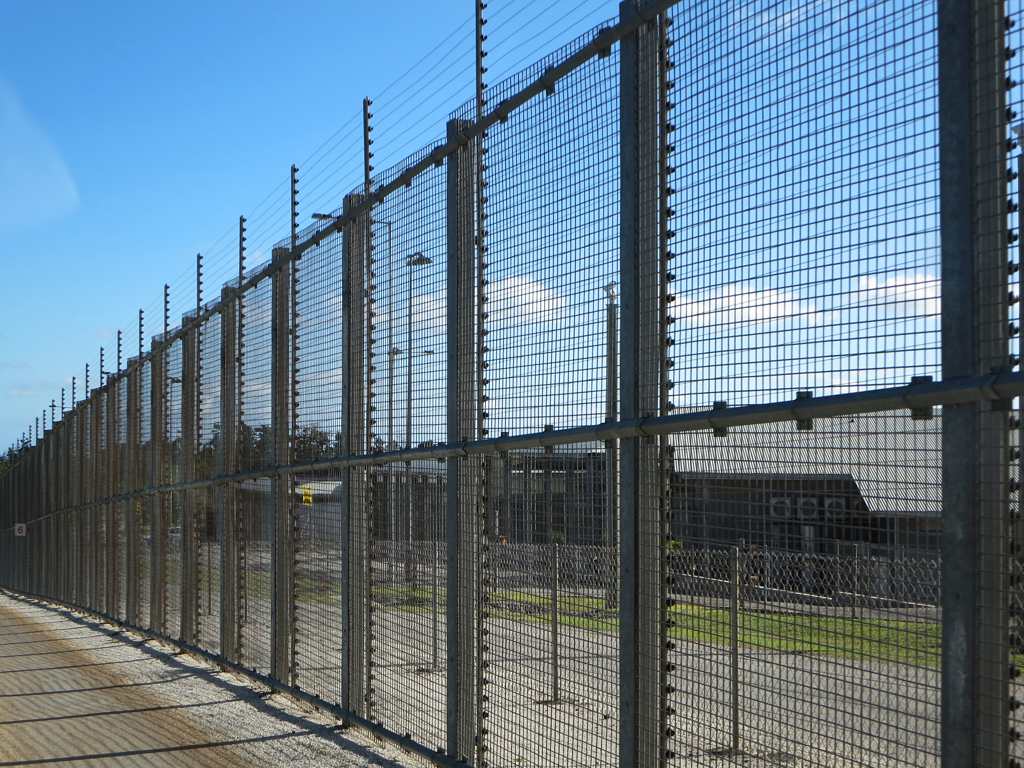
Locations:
{"points": [[873, 480]]}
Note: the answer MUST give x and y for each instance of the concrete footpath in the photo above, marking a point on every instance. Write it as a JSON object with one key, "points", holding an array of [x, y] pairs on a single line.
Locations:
{"points": [[77, 692]]}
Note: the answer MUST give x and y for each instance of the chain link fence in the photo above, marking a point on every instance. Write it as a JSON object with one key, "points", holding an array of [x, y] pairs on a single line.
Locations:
{"points": [[663, 410]]}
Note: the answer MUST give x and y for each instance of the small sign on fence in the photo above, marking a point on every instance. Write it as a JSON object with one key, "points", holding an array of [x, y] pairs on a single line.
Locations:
{"points": [[20, 529]]}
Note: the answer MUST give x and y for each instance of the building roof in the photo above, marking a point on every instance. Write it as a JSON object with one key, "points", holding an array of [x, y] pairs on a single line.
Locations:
{"points": [[895, 461]]}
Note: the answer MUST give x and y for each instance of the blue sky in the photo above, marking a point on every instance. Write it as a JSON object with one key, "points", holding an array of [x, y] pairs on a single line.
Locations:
{"points": [[132, 135], [806, 255]]}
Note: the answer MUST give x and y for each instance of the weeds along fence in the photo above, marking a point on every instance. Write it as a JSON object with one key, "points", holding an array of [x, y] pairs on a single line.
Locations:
{"points": [[665, 411]]}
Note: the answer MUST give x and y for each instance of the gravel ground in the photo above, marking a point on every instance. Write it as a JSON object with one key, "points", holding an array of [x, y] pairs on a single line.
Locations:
{"points": [[75, 691]]}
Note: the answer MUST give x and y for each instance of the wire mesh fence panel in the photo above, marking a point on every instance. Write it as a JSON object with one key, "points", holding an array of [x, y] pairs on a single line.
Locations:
{"points": [[807, 253], [173, 571], [805, 604], [551, 613], [319, 583], [99, 550], [807, 263], [782, 525], [209, 518], [99, 478], [143, 523], [173, 460], [410, 254], [255, 499], [74, 542], [121, 485], [408, 595], [86, 531], [121, 511], [255, 504], [255, 441], [407, 552], [318, 368], [317, 504], [208, 574], [552, 249]]}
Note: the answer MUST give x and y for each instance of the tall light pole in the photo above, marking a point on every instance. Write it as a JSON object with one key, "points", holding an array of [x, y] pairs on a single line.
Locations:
{"points": [[392, 522], [415, 260]]}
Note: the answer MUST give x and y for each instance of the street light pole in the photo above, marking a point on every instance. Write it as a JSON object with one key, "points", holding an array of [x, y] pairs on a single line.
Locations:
{"points": [[415, 260], [392, 521]]}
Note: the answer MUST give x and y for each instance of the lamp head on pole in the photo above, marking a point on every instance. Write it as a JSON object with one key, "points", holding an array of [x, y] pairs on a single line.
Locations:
{"points": [[418, 260]]}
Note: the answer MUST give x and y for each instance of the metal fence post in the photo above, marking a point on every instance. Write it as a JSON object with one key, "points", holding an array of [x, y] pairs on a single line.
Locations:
{"points": [[463, 480], [53, 476], [354, 544], [229, 626], [158, 547], [79, 508], [110, 489], [281, 549], [95, 516], [131, 557], [975, 623], [189, 578], [641, 604], [98, 508]]}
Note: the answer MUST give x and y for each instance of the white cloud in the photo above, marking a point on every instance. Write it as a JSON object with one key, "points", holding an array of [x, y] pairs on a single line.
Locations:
{"points": [[35, 183], [746, 304], [909, 295], [782, 21], [430, 309], [514, 299], [519, 299]]}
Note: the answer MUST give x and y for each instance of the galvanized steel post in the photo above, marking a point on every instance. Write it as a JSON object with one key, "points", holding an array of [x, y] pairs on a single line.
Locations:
{"points": [[229, 627], [131, 557], [972, 146], [641, 603], [463, 474], [158, 517], [110, 490], [189, 449], [96, 563], [282, 546], [353, 479]]}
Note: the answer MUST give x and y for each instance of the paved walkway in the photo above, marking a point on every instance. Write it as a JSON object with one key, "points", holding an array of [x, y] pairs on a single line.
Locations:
{"points": [[76, 692]]}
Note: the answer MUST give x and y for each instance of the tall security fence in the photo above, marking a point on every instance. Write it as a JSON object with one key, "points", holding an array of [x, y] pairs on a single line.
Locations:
{"points": [[664, 411]]}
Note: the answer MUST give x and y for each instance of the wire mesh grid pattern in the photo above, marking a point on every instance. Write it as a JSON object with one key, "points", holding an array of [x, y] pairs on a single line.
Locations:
{"points": [[255, 450], [808, 249], [551, 613], [406, 548], [173, 461], [552, 250], [255, 504], [208, 511], [319, 586], [665, 412], [142, 545]]}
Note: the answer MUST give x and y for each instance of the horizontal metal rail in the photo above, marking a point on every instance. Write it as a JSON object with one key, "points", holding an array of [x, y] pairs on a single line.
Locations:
{"points": [[914, 396]]}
